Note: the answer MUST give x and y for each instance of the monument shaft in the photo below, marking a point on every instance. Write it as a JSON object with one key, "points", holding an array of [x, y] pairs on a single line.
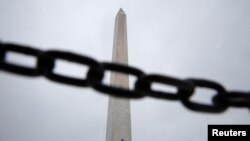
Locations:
{"points": [[119, 122]]}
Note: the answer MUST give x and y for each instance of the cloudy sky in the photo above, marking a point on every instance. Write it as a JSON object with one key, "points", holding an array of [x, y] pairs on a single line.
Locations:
{"points": [[201, 39]]}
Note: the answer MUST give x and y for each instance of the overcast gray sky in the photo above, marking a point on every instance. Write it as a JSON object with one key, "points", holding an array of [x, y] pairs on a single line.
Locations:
{"points": [[201, 39]]}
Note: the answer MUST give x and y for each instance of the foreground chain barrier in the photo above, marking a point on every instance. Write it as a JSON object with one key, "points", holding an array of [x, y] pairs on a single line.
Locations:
{"points": [[142, 87]]}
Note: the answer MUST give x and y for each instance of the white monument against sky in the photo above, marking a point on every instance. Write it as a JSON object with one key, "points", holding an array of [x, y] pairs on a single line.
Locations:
{"points": [[119, 122]]}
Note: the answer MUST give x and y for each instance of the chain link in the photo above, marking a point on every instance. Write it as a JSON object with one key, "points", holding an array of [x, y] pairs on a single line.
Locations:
{"points": [[46, 63], [217, 106], [18, 69], [185, 88], [97, 84]]}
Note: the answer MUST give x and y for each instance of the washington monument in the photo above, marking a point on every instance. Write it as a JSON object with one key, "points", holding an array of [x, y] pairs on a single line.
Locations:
{"points": [[119, 122]]}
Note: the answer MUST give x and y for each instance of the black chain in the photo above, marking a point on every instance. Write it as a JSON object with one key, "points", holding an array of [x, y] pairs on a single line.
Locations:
{"points": [[185, 88]]}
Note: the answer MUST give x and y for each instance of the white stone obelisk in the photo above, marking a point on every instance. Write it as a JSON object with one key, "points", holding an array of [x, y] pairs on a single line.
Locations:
{"points": [[119, 122]]}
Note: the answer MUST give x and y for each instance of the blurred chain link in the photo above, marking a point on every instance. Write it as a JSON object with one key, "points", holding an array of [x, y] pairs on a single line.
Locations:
{"points": [[45, 65]]}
